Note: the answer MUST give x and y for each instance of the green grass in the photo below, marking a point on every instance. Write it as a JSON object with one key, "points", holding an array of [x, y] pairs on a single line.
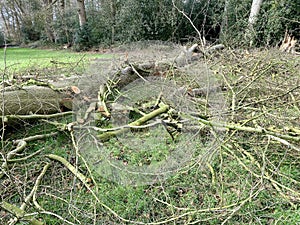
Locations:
{"points": [[26, 60]]}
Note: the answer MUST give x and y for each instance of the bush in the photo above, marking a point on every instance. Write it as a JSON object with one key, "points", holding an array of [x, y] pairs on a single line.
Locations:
{"points": [[83, 39], [276, 17]]}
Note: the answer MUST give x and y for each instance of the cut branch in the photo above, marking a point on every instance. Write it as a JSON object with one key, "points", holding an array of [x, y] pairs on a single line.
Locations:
{"points": [[19, 213], [162, 109], [70, 167], [259, 130]]}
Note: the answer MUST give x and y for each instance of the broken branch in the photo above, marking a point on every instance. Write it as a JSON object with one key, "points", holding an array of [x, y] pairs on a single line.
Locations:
{"points": [[162, 109]]}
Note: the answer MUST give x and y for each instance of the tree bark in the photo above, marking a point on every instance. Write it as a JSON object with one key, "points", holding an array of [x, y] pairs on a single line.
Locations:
{"points": [[38, 97], [30, 100], [113, 11], [81, 12], [7, 27], [256, 4], [224, 24], [49, 20], [250, 32]]}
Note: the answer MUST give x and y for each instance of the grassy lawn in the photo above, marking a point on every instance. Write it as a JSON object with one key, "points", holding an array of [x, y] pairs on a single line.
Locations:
{"points": [[25, 60]]}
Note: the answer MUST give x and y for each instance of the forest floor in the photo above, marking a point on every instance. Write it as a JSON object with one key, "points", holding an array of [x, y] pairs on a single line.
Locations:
{"points": [[240, 166]]}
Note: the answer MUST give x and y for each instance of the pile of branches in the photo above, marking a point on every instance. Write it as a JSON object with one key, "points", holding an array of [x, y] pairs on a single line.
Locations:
{"points": [[262, 93]]}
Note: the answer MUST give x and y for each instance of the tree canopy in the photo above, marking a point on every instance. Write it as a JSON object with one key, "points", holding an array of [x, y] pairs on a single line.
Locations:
{"points": [[88, 23]]}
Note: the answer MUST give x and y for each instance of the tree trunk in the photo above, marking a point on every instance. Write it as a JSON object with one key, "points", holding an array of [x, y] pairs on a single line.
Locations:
{"points": [[250, 33], [113, 11], [224, 24], [38, 97], [256, 4], [7, 27], [49, 20], [30, 100], [81, 13], [48, 97]]}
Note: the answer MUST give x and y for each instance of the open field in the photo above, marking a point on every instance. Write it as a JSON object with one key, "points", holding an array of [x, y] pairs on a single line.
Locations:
{"points": [[26, 60]]}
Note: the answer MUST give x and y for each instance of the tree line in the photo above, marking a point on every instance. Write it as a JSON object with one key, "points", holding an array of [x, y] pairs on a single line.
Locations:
{"points": [[88, 23]]}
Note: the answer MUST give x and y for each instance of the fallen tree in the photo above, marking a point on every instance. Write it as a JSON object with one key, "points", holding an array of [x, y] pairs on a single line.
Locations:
{"points": [[261, 124], [30, 96]]}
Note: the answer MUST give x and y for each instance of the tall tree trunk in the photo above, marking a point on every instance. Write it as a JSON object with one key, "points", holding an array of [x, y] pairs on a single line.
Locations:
{"points": [[250, 33], [113, 11], [6, 23], [256, 4], [18, 27], [81, 12], [49, 20], [224, 23]]}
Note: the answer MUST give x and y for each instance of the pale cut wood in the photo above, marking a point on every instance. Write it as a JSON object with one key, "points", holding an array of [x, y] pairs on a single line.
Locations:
{"points": [[288, 44]]}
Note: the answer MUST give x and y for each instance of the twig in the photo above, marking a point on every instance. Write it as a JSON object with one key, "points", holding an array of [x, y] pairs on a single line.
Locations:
{"points": [[213, 175], [252, 195], [36, 137], [119, 128], [34, 189], [163, 108], [239, 127], [270, 97], [191, 22], [19, 212], [20, 147], [284, 142], [137, 73], [37, 183], [233, 100], [6, 118], [57, 216], [25, 158], [266, 176], [21, 144]]}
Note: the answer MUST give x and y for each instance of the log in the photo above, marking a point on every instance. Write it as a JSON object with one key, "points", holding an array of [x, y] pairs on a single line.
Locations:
{"points": [[30, 100], [41, 97]]}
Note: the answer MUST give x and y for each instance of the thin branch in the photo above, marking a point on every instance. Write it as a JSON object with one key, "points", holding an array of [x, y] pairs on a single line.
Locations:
{"points": [[162, 109], [191, 22], [3, 105]]}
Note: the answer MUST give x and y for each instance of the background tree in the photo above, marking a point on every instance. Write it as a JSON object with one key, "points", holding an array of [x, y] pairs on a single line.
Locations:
{"points": [[81, 12], [105, 22], [254, 12]]}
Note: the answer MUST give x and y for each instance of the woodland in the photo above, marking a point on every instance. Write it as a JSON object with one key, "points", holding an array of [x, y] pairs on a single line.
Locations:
{"points": [[150, 112]]}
